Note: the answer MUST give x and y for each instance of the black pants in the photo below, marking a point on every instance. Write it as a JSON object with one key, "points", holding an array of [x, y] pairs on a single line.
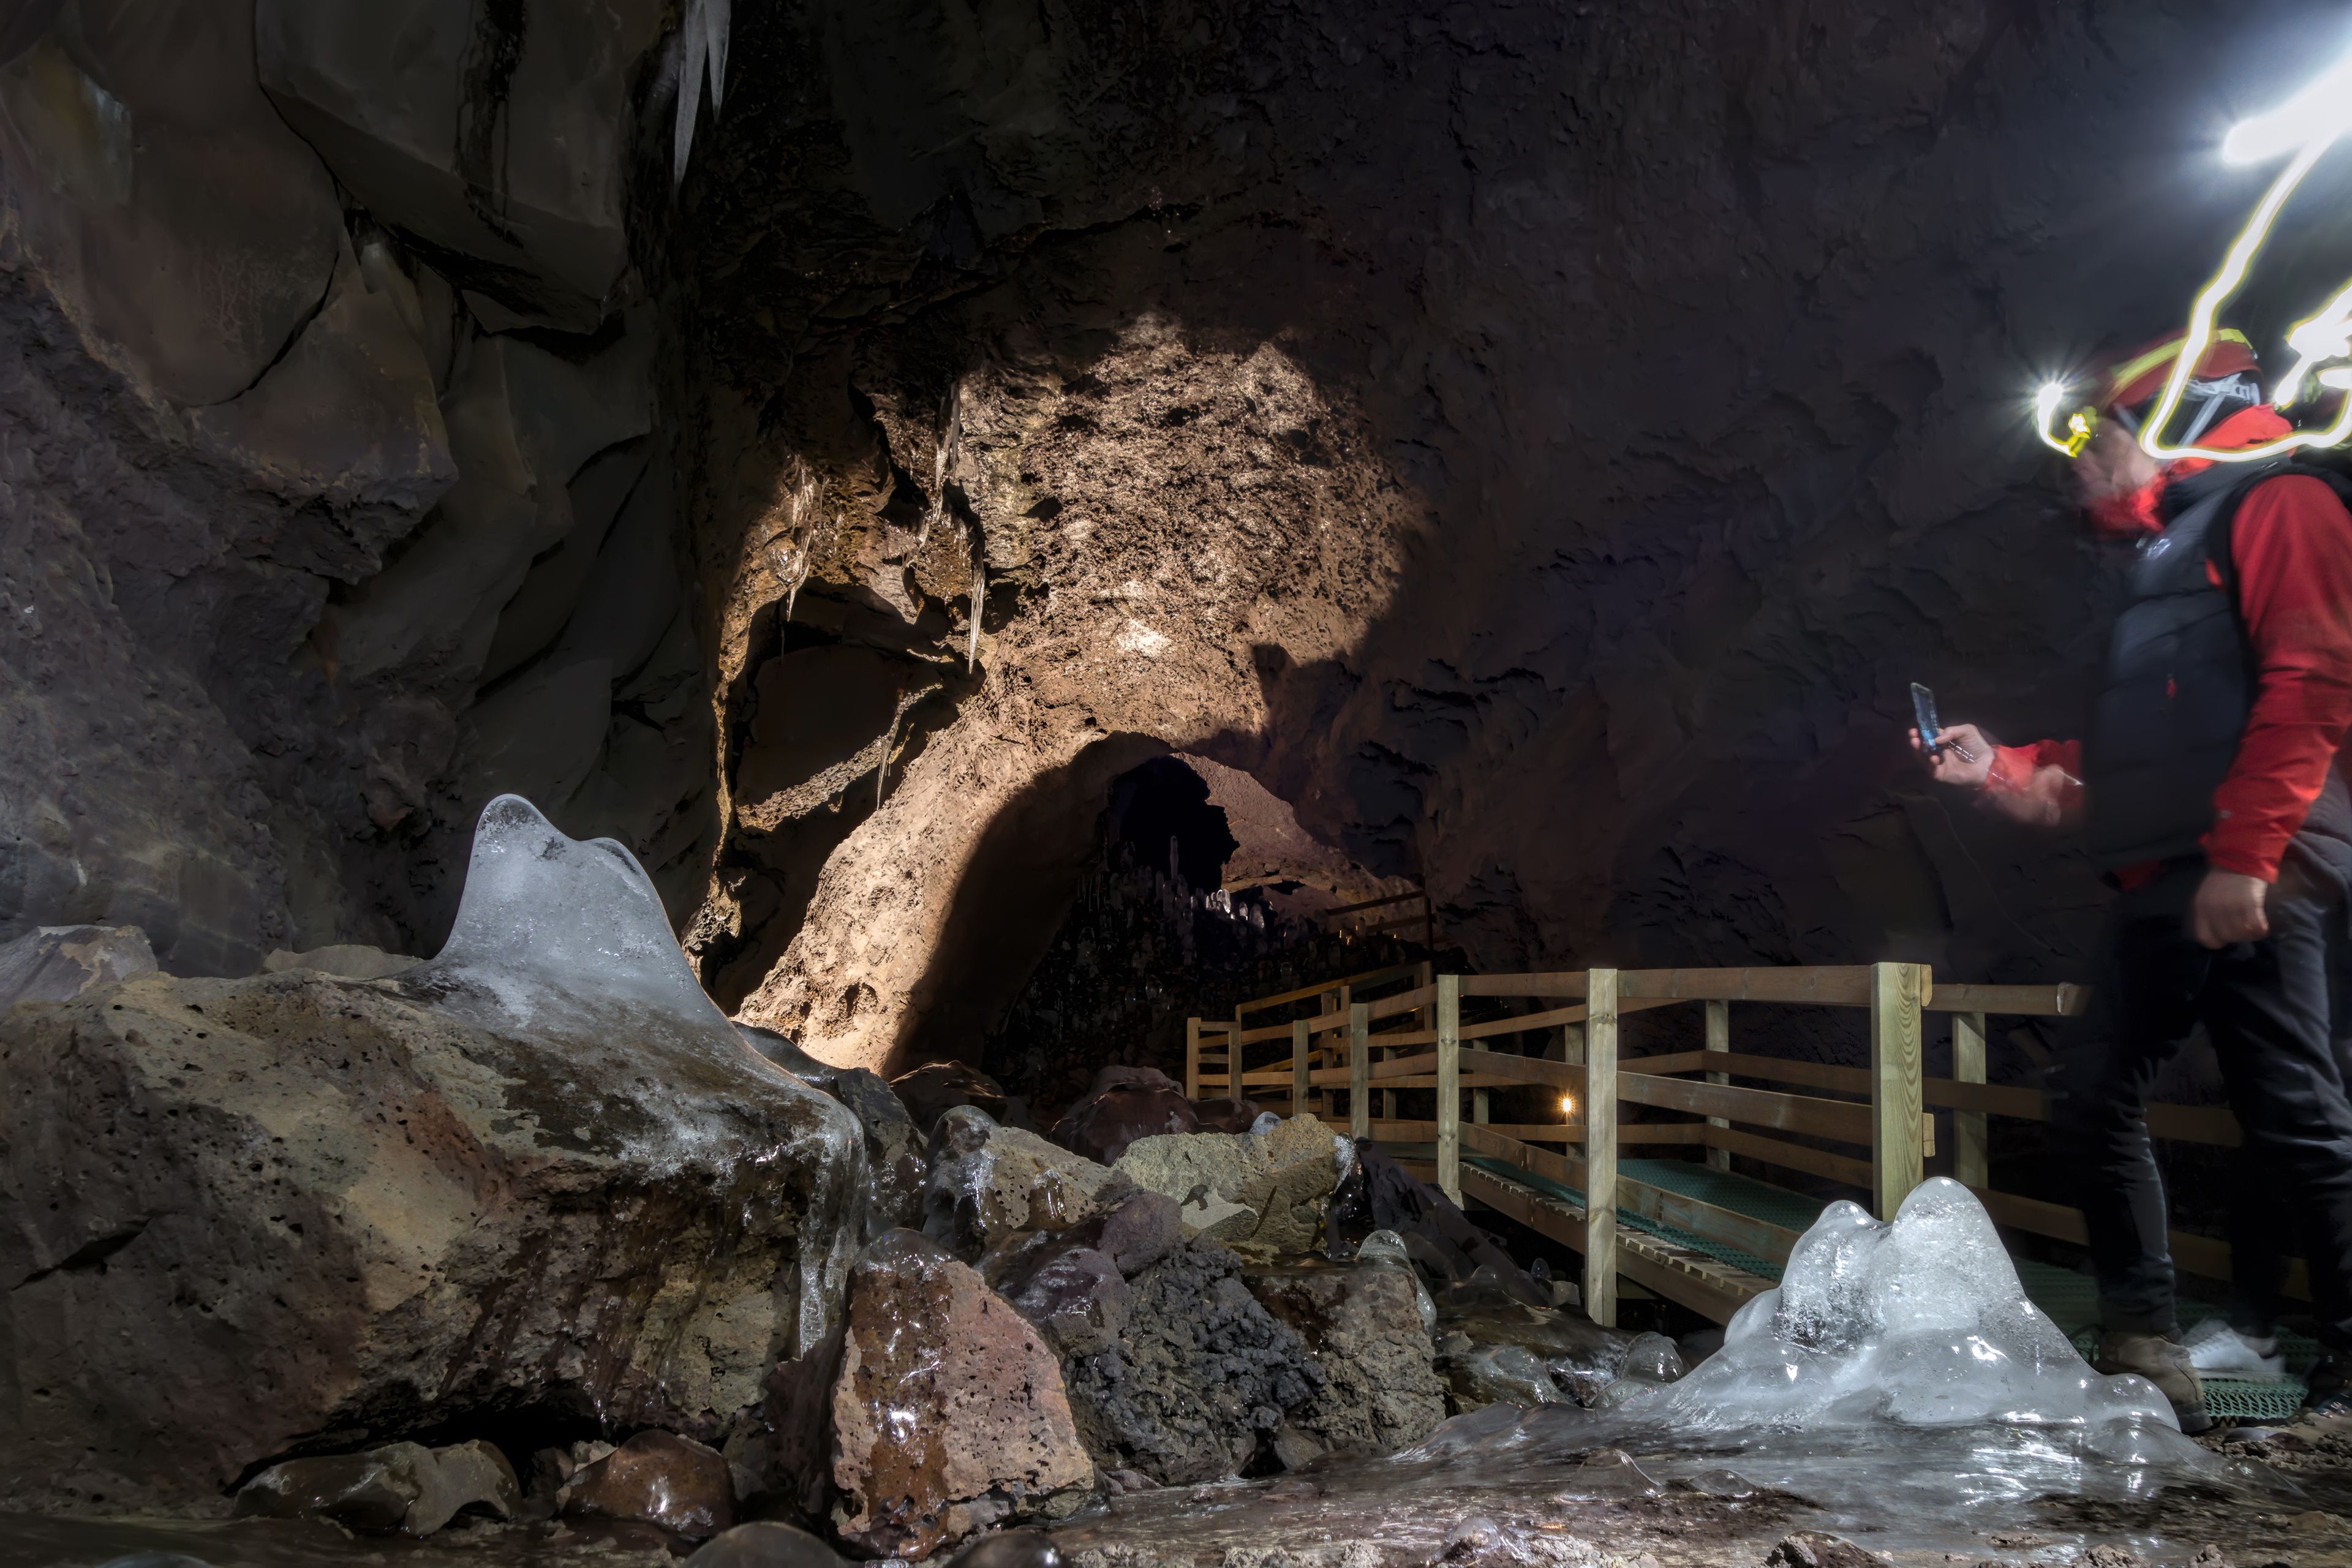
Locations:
{"points": [[2265, 1003]]}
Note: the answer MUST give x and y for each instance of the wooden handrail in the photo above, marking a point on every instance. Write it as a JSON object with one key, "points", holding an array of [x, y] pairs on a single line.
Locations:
{"points": [[2063, 1000], [1355, 982], [1377, 904]]}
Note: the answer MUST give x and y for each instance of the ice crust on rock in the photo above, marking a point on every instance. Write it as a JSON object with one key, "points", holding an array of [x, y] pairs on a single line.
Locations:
{"points": [[1921, 1322], [567, 941]]}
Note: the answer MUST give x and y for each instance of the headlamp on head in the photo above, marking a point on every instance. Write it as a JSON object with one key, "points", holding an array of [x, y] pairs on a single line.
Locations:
{"points": [[2076, 433]]}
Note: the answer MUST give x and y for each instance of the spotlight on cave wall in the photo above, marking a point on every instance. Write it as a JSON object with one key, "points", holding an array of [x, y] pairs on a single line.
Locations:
{"points": [[1161, 811]]}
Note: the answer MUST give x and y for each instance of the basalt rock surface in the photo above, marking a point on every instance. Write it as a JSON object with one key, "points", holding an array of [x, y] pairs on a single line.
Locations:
{"points": [[1281, 1178], [987, 1184], [1200, 1379], [238, 1216], [949, 1413], [1363, 1325]]}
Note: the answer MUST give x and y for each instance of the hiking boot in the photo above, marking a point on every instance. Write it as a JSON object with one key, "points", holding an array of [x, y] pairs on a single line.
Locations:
{"points": [[2217, 1350], [2327, 1408], [2164, 1362]]}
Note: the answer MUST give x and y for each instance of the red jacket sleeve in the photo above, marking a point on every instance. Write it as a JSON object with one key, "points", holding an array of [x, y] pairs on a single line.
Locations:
{"points": [[2292, 546]]}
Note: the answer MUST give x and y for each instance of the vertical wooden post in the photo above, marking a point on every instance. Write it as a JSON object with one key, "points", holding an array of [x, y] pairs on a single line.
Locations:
{"points": [[1360, 1071], [1192, 1058], [1971, 1162], [1719, 1038], [1897, 1150], [1449, 1086], [1600, 1147], [1298, 1066], [1479, 1106], [1571, 1044]]}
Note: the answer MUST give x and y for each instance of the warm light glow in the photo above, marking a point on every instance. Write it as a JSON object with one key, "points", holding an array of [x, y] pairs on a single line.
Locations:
{"points": [[1567, 1105]]}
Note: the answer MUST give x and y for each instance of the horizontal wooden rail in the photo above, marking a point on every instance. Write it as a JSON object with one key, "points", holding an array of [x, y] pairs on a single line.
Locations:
{"points": [[1790, 1156], [1663, 1132], [1379, 904], [1842, 1119], [2211, 1124], [2200, 1255], [1836, 985], [2060, 1001], [1353, 981]]}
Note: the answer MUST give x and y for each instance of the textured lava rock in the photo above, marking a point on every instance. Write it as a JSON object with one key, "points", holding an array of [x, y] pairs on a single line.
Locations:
{"points": [[401, 1486], [1363, 1325], [1228, 1114], [1079, 1301], [1124, 1103], [528, 185], [55, 963], [1494, 1346], [407, 1217], [659, 1478], [1379, 1195], [1199, 1379], [949, 1415], [1282, 1177], [930, 1090], [895, 1156], [987, 1182]]}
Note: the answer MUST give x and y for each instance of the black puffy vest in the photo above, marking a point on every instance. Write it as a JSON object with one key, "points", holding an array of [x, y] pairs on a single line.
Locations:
{"points": [[2180, 686]]}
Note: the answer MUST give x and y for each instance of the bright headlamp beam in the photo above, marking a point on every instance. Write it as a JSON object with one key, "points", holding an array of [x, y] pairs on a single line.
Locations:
{"points": [[2225, 284], [2319, 113], [2045, 409]]}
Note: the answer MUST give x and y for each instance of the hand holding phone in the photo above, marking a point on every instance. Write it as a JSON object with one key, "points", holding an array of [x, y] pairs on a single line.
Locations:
{"points": [[1931, 735]]}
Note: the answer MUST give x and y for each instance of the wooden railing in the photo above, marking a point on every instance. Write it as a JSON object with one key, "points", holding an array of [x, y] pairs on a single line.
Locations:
{"points": [[1885, 1109]]}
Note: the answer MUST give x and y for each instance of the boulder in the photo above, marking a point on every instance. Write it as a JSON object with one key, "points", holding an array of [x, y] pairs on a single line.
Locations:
{"points": [[1079, 1301], [949, 1413], [56, 964], [929, 1091], [987, 1182], [1199, 1380], [1364, 1326], [658, 1479], [352, 960], [1491, 1344], [895, 1165], [541, 1170], [1134, 1232], [1225, 1115], [1283, 1175], [1377, 1194], [1125, 1103], [401, 1486], [765, 1544], [498, 143]]}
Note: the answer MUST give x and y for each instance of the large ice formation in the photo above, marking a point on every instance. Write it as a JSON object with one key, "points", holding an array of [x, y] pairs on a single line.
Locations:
{"points": [[1921, 1322], [567, 941]]}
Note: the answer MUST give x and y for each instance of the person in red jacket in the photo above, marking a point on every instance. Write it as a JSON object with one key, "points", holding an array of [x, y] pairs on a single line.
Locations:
{"points": [[2210, 792]]}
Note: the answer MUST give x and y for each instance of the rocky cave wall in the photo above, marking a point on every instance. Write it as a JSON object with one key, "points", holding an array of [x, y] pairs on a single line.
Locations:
{"points": [[1539, 443]]}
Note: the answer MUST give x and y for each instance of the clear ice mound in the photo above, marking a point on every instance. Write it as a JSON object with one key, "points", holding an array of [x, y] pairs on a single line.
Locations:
{"points": [[1920, 1322], [567, 941], [1897, 1381]]}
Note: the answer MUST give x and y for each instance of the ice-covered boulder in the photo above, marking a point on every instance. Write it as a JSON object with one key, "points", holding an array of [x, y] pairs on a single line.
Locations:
{"points": [[541, 1170], [1920, 1322]]}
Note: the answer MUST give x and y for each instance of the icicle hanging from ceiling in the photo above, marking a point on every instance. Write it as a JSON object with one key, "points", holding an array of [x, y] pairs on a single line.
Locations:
{"points": [[702, 49]]}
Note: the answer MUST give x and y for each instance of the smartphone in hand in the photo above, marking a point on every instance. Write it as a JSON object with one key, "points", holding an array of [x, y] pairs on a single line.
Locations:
{"points": [[1923, 713]]}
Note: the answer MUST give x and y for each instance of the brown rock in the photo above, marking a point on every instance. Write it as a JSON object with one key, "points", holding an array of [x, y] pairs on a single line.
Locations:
{"points": [[988, 1183], [401, 1486], [418, 1216], [659, 1478], [948, 1413], [56, 964], [1814, 1549], [936, 1088]]}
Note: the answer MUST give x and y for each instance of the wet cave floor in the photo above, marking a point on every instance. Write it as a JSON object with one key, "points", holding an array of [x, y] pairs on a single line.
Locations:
{"points": [[1557, 1514]]}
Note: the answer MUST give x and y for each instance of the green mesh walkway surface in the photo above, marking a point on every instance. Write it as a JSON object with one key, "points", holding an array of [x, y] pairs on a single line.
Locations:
{"points": [[1626, 1217], [2069, 1299]]}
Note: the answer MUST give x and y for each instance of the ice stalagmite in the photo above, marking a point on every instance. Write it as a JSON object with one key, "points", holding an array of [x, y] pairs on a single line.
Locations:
{"points": [[1921, 1322], [566, 942]]}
